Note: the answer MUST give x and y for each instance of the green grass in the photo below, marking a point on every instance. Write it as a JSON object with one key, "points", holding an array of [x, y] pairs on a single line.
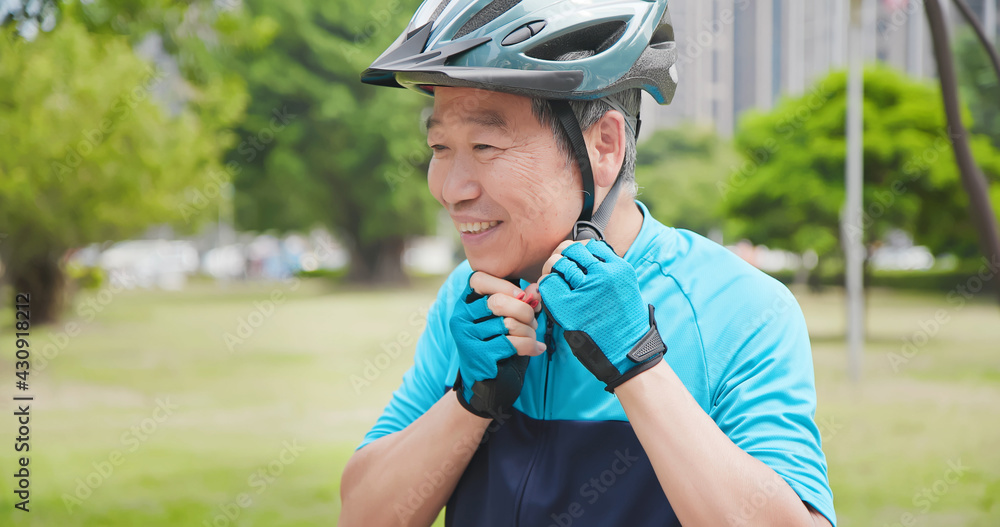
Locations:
{"points": [[290, 382]]}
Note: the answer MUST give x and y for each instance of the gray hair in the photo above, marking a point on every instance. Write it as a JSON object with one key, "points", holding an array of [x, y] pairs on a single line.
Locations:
{"points": [[588, 113]]}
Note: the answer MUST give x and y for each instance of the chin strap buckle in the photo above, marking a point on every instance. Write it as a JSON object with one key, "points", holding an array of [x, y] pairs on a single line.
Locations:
{"points": [[585, 230]]}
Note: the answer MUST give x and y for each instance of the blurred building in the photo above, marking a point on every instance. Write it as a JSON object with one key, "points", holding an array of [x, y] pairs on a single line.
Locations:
{"points": [[734, 55]]}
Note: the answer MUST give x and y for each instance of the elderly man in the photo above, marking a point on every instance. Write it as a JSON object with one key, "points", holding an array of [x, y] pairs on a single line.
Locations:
{"points": [[642, 375]]}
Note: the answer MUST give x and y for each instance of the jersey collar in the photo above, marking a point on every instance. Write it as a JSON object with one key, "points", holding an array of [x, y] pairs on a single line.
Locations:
{"points": [[652, 235]]}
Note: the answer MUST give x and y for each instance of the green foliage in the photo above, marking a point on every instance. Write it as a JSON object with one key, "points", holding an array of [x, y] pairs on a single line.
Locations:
{"points": [[86, 277], [790, 189], [979, 85], [678, 171], [29, 16], [351, 156], [89, 154], [98, 145], [937, 281]]}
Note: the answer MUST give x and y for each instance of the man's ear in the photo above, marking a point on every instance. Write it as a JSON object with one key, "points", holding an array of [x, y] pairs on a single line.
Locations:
{"points": [[606, 146]]}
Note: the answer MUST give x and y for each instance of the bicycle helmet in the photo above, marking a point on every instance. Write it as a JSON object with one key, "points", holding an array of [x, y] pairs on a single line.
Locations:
{"points": [[558, 50]]}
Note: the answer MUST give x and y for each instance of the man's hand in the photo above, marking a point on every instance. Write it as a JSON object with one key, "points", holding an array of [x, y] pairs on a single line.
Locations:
{"points": [[594, 295], [494, 329]]}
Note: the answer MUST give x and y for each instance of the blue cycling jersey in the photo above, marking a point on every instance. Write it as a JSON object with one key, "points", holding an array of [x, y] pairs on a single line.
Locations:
{"points": [[567, 455]]}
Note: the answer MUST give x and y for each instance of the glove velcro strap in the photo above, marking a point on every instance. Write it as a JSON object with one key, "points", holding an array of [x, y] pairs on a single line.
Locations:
{"points": [[494, 398], [646, 353], [649, 343], [653, 361], [460, 393]]}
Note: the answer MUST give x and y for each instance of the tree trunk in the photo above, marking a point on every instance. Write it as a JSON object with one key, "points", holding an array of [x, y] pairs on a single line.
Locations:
{"points": [[980, 208], [379, 262], [42, 278]]}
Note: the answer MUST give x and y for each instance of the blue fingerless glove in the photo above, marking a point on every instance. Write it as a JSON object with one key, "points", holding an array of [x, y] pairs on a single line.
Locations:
{"points": [[490, 372], [594, 295]]}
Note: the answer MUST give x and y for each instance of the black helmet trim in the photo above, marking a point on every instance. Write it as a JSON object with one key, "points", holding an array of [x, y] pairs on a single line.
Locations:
{"points": [[410, 56], [518, 82]]}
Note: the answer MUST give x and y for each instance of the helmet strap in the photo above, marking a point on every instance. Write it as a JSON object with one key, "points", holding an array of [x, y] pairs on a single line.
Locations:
{"points": [[590, 224], [570, 124], [631, 122]]}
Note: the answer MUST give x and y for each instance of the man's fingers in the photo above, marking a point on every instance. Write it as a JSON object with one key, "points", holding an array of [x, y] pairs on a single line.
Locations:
{"points": [[532, 297], [518, 329], [486, 284], [527, 346], [570, 271], [547, 267], [556, 255], [506, 306]]}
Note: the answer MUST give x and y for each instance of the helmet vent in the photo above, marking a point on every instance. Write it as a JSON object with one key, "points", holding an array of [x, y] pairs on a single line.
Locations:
{"points": [[582, 43], [664, 34], [485, 16], [438, 10]]}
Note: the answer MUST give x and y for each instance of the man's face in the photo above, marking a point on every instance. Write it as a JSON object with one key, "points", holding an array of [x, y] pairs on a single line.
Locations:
{"points": [[501, 176]]}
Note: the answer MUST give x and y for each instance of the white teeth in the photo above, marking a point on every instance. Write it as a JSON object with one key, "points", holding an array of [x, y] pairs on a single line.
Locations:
{"points": [[476, 226]]}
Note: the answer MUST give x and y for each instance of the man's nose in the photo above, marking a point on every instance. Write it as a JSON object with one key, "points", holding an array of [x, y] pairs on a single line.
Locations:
{"points": [[460, 182]]}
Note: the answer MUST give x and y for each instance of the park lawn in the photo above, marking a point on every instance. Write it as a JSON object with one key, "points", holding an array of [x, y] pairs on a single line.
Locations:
{"points": [[147, 416]]}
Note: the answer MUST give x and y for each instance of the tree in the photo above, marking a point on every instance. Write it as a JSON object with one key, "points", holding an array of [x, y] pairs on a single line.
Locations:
{"points": [[976, 185], [29, 17], [678, 170], [790, 189], [979, 85], [347, 155], [89, 155]]}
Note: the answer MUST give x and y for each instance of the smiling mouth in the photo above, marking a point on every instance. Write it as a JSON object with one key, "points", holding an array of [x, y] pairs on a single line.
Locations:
{"points": [[477, 227]]}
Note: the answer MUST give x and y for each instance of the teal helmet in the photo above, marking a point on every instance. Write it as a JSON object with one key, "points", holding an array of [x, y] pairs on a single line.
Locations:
{"points": [[558, 50], [552, 49]]}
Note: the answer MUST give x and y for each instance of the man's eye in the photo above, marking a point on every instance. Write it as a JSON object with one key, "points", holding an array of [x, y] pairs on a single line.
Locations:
{"points": [[482, 147], [438, 148]]}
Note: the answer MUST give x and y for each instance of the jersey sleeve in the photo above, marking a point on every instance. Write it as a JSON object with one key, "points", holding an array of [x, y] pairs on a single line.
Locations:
{"points": [[427, 380], [765, 400]]}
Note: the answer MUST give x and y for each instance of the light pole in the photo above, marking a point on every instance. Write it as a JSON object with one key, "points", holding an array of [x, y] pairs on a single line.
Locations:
{"points": [[852, 228]]}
